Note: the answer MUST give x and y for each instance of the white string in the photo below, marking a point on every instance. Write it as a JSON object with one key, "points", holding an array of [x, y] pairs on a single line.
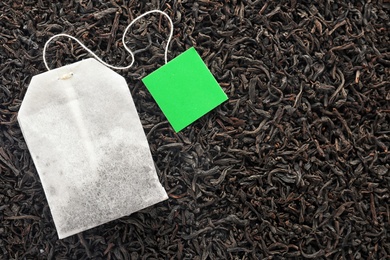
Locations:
{"points": [[123, 41]]}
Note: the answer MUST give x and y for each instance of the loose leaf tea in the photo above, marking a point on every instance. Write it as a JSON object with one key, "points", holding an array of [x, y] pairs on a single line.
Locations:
{"points": [[185, 89], [279, 171], [94, 165]]}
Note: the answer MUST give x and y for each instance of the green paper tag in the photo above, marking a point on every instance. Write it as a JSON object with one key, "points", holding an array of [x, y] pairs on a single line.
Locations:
{"points": [[185, 89]]}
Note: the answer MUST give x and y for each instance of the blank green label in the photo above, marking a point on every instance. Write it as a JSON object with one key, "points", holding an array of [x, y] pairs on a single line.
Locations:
{"points": [[185, 89]]}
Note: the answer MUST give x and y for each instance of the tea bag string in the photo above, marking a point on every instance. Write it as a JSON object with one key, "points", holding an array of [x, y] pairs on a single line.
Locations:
{"points": [[123, 41]]}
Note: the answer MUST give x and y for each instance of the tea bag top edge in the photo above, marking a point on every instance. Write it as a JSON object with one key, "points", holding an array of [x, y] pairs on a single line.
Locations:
{"points": [[35, 89]]}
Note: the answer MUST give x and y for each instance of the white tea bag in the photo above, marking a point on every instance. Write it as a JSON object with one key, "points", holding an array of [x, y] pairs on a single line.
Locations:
{"points": [[88, 145]]}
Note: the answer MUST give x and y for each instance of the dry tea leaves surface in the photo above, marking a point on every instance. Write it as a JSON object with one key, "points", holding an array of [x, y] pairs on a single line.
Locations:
{"points": [[294, 165]]}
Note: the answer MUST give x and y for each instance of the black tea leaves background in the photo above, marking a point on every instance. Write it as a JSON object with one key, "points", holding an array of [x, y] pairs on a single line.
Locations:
{"points": [[295, 165]]}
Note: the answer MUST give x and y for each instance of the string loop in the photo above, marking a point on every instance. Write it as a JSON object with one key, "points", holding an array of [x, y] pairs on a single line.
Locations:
{"points": [[123, 41]]}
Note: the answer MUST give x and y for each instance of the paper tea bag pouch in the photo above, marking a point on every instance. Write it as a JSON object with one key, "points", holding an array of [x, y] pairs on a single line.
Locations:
{"points": [[185, 89], [88, 145]]}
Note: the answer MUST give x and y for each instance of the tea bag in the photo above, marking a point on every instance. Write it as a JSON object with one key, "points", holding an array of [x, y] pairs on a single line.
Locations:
{"points": [[88, 145], [185, 89]]}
